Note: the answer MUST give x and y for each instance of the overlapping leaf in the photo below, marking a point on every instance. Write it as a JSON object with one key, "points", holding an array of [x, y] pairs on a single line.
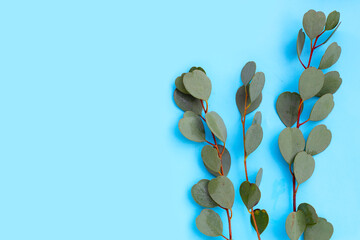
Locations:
{"points": [[216, 125], [187, 102], [248, 72], [304, 165], [291, 141], [226, 162], [310, 83], [256, 85], [295, 225], [200, 194], [222, 191], [332, 83], [197, 84], [211, 158], [311, 216], [322, 230], [240, 101]]}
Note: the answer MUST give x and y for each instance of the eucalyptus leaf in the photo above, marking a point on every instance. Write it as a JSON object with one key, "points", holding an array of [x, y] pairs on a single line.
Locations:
{"points": [[304, 165], [250, 194], [310, 83], [295, 225], [222, 191], [291, 141], [190, 114], [209, 223], [211, 158], [322, 107], [259, 177], [248, 72], [331, 84], [226, 162], [322, 230], [180, 84], [318, 140], [216, 125], [256, 85], [197, 68], [332, 20], [261, 218], [331, 34], [200, 194], [300, 42], [309, 212], [192, 128], [240, 101], [253, 138], [287, 106], [197, 84], [187, 102], [314, 23], [330, 56], [257, 118]]}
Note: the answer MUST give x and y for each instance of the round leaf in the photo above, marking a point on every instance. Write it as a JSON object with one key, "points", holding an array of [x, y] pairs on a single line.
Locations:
{"points": [[209, 223], [192, 127], [314, 23], [295, 225], [304, 165], [331, 84], [222, 191], [211, 158], [216, 125], [197, 68], [200, 194], [180, 84], [226, 162], [261, 218], [253, 138], [318, 140], [248, 72], [310, 83], [256, 85], [300, 42], [287, 106], [332, 20], [257, 118], [322, 230], [197, 84], [291, 141], [309, 212], [330, 56], [250, 194], [187, 102], [240, 101], [259, 177], [322, 107]]}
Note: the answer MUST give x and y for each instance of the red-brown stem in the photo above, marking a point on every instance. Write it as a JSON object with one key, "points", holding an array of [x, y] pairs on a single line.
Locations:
{"points": [[313, 47], [229, 220], [294, 189], [255, 224]]}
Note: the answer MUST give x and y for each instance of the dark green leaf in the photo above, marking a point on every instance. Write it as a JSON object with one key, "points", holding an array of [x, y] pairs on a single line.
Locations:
{"points": [[250, 194], [226, 162], [332, 20], [322, 107], [197, 84], [240, 101], [192, 127], [291, 141], [310, 83], [180, 84], [257, 118], [309, 212], [248, 72], [209, 223], [211, 158], [261, 218], [331, 84], [318, 140], [304, 165], [314, 23], [216, 125], [295, 225], [332, 33], [200, 194], [322, 230], [259, 177], [197, 68], [253, 138], [330, 56], [187, 102], [287, 107], [300, 42], [222, 191], [256, 86]]}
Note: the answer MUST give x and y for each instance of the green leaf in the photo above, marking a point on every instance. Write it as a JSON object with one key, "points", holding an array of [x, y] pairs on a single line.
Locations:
{"points": [[222, 191], [261, 218], [209, 223], [322, 107], [253, 138], [248, 72], [256, 85], [240, 101], [197, 84], [180, 84], [330, 56], [318, 140], [332, 20], [190, 114], [192, 127], [259, 177], [332, 33], [304, 165], [291, 141], [250, 194], [200, 194], [187, 102], [309, 212], [197, 68], [216, 125], [314, 23], [226, 162], [257, 118], [310, 83], [295, 225], [300, 42], [211, 158], [331, 84], [287, 106], [322, 230]]}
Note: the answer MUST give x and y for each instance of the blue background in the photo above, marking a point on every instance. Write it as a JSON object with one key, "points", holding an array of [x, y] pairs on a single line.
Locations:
{"points": [[89, 144]]}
